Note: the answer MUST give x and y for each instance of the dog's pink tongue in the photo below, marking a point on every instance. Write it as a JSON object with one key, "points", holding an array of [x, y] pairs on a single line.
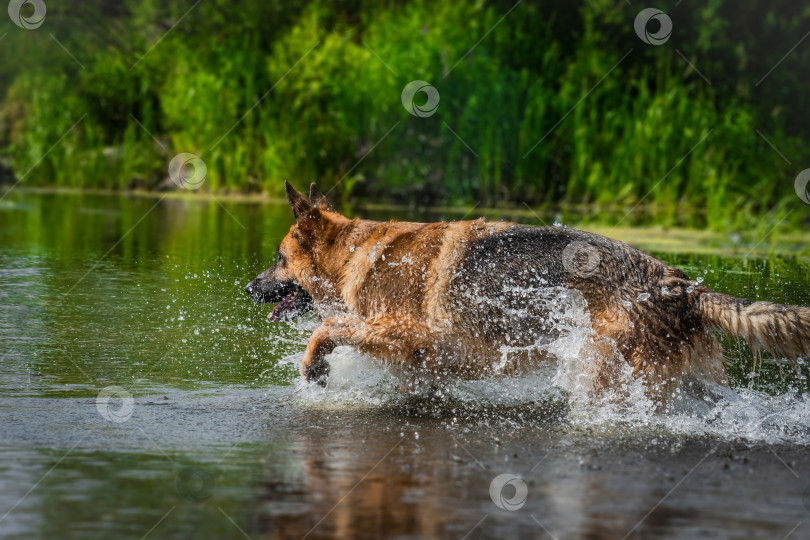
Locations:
{"points": [[280, 308]]}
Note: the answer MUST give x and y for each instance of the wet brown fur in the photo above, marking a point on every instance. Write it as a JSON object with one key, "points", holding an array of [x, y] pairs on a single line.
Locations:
{"points": [[398, 291]]}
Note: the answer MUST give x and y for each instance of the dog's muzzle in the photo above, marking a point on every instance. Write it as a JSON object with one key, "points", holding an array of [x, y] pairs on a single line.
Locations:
{"points": [[292, 300]]}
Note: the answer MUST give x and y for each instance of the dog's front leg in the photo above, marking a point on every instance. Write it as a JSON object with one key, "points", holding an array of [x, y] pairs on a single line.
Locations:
{"points": [[330, 334], [392, 341]]}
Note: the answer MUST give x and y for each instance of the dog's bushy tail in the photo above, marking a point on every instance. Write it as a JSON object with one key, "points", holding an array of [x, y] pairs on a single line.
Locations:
{"points": [[779, 328]]}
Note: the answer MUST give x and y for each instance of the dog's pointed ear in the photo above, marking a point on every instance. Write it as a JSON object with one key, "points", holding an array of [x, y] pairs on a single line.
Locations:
{"points": [[300, 206], [307, 216], [319, 199]]}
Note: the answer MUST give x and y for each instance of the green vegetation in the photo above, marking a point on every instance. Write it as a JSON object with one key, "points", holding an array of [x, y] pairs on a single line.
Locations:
{"points": [[540, 111]]}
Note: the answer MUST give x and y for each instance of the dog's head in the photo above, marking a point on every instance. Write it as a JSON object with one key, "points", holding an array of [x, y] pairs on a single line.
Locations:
{"points": [[299, 266]]}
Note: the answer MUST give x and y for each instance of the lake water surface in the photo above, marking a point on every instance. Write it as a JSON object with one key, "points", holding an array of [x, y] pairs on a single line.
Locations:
{"points": [[142, 395]]}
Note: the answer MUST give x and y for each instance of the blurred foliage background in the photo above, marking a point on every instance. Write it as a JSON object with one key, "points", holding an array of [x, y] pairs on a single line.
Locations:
{"points": [[554, 104]]}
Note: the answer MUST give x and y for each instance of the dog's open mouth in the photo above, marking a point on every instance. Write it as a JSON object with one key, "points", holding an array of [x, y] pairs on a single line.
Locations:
{"points": [[293, 300], [295, 304]]}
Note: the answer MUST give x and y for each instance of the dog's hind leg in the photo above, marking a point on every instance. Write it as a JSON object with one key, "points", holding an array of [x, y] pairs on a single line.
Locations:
{"points": [[393, 340]]}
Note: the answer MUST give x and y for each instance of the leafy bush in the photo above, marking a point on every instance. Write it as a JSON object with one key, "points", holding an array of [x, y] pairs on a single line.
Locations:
{"points": [[557, 104]]}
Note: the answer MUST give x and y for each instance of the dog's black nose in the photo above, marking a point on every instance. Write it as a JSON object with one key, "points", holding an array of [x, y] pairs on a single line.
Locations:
{"points": [[255, 290], [252, 288]]}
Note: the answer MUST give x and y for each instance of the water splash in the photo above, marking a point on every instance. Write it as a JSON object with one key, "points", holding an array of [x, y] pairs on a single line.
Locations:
{"points": [[562, 391]]}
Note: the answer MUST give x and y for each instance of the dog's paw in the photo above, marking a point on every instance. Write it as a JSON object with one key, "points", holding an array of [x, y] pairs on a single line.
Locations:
{"points": [[317, 373]]}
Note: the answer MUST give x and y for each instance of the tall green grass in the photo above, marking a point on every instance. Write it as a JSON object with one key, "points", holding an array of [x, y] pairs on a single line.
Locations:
{"points": [[540, 112]]}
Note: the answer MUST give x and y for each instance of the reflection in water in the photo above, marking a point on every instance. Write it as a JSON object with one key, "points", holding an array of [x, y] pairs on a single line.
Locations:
{"points": [[208, 462], [223, 436]]}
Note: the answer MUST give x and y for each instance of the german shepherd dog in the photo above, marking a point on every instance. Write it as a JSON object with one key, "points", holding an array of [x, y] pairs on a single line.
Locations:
{"points": [[475, 298]]}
